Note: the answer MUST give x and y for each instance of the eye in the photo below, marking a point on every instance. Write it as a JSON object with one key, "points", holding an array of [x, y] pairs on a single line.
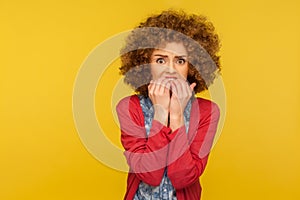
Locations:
{"points": [[181, 61], [160, 61]]}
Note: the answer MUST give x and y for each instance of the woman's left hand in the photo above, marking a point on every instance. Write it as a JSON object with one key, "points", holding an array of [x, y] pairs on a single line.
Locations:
{"points": [[181, 93]]}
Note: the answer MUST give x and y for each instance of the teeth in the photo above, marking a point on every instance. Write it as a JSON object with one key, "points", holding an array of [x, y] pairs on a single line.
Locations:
{"points": [[172, 78]]}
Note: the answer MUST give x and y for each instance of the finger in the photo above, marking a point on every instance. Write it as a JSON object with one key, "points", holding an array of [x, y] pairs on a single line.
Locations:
{"points": [[150, 84], [169, 86], [176, 99], [175, 88], [158, 84], [151, 87], [182, 88], [191, 89], [187, 89], [166, 85]]}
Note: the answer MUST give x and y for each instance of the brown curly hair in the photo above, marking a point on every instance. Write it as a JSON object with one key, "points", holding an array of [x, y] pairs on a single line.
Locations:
{"points": [[195, 32]]}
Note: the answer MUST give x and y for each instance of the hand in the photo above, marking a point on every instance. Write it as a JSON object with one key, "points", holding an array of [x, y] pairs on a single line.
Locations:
{"points": [[181, 94], [159, 93]]}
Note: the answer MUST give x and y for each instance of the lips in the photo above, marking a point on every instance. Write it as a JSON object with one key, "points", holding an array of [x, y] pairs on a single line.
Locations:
{"points": [[171, 77]]}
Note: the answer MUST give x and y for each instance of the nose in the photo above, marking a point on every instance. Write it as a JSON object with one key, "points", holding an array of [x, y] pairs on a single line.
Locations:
{"points": [[172, 66]]}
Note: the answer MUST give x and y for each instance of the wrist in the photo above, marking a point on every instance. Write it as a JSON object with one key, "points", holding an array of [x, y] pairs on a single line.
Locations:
{"points": [[160, 114], [176, 121], [176, 116]]}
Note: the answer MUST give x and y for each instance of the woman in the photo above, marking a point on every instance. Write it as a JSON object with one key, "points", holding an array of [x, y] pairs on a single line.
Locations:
{"points": [[166, 131]]}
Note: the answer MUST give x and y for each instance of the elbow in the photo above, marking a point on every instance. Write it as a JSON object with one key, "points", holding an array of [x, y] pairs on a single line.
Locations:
{"points": [[183, 179], [151, 178]]}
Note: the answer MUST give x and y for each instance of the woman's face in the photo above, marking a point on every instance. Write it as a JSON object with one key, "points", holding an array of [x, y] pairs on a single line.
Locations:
{"points": [[169, 62]]}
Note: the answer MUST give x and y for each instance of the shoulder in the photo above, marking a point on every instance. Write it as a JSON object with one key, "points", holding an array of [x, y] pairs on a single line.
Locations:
{"points": [[205, 102], [128, 102], [129, 110], [206, 105]]}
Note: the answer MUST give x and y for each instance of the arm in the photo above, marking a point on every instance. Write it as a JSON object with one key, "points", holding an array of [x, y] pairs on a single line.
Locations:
{"points": [[147, 158], [188, 154]]}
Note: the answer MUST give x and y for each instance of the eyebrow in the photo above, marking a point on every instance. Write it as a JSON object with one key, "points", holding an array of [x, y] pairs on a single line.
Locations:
{"points": [[165, 56]]}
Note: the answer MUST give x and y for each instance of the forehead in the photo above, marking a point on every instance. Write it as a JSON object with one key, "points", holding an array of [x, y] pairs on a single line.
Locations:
{"points": [[172, 48]]}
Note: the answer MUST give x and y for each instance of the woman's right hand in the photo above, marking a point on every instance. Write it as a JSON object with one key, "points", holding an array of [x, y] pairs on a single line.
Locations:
{"points": [[159, 93]]}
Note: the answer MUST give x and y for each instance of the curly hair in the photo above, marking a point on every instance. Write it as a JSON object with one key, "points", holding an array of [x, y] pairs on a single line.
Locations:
{"points": [[195, 32]]}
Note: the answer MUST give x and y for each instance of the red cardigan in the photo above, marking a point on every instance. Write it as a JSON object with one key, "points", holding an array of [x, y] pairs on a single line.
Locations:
{"points": [[184, 155]]}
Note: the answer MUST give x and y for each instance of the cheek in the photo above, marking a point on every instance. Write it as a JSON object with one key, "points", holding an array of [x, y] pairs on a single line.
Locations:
{"points": [[155, 71], [184, 71]]}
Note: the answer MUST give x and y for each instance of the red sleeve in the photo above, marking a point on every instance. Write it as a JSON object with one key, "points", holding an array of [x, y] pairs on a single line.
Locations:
{"points": [[188, 153], [147, 157]]}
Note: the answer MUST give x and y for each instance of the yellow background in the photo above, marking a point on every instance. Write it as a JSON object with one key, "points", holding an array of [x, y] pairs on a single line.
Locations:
{"points": [[43, 44]]}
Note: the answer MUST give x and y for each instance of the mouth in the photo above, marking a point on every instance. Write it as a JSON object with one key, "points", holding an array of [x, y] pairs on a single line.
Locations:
{"points": [[171, 77]]}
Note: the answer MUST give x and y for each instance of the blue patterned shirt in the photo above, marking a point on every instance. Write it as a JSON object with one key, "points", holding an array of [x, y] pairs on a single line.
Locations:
{"points": [[165, 190]]}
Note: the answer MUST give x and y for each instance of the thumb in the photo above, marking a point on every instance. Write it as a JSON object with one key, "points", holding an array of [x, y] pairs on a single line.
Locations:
{"points": [[192, 86]]}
